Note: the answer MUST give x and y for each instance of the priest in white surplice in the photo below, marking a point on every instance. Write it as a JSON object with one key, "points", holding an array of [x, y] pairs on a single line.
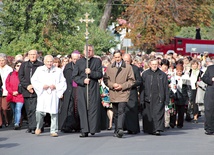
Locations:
{"points": [[49, 84]]}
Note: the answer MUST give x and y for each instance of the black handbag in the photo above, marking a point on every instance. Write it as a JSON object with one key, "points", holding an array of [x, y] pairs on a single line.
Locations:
{"points": [[178, 95]]}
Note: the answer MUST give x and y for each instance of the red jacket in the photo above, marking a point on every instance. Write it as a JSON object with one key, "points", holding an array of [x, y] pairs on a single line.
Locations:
{"points": [[12, 83]]}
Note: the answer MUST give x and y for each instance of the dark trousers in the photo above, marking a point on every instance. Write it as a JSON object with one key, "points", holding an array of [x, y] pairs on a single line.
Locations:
{"points": [[119, 115], [195, 106], [180, 109], [30, 106]]}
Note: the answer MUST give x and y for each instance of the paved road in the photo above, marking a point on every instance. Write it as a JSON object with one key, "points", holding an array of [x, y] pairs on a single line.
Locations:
{"points": [[190, 140]]}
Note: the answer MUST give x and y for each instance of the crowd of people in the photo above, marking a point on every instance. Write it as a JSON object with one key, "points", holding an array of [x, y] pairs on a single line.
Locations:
{"points": [[88, 93]]}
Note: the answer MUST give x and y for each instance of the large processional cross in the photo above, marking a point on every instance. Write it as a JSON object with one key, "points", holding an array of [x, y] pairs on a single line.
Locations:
{"points": [[86, 20]]}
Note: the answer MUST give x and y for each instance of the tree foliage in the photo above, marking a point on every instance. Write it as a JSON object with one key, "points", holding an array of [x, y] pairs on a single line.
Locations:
{"points": [[152, 21], [50, 26], [206, 32]]}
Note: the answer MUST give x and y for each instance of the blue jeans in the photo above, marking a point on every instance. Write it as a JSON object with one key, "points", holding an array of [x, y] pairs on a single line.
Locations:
{"points": [[17, 109]]}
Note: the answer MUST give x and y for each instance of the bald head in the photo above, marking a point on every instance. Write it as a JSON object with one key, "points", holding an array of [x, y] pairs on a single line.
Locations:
{"points": [[127, 58], [48, 61]]}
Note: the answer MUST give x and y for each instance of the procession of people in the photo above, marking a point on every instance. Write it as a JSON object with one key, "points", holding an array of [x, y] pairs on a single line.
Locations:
{"points": [[86, 93]]}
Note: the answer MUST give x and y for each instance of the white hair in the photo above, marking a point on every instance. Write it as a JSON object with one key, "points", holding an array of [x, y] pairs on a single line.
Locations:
{"points": [[72, 54], [4, 56], [48, 56], [33, 51]]}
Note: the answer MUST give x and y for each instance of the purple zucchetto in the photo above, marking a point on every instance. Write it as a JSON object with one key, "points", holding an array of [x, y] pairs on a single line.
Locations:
{"points": [[75, 52]]}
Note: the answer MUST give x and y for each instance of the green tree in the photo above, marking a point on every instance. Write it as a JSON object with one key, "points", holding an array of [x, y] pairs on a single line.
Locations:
{"points": [[44, 25], [50, 26]]}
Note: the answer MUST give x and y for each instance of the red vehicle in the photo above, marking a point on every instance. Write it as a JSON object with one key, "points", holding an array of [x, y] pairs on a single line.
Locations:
{"points": [[187, 46]]}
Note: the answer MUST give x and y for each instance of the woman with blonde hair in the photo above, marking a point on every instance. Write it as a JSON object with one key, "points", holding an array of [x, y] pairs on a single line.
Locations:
{"points": [[65, 61], [105, 95], [195, 75]]}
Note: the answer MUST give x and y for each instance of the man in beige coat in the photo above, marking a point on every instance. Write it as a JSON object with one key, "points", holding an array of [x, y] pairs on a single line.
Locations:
{"points": [[119, 77]]}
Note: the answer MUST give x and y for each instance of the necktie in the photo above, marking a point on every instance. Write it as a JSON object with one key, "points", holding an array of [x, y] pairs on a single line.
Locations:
{"points": [[118, 65]]}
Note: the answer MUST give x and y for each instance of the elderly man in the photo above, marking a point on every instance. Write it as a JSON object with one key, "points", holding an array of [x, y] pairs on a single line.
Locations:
{"points": [[26, 71], [68, 114], [88, 108], [119, 77], [49, 84], [154, 96], [131, 119]]}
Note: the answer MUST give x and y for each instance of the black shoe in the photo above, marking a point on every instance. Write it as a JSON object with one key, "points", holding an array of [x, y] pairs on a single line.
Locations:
{"points": [[157, 133], [47, 125], [172, 126], [195, 121], [119, 134], [209, 133], [28, 131], [132, 132], [92, 134], [66, 131], [129, 132], [33, 131], [83, 134], [179, 126], [110, 128]]}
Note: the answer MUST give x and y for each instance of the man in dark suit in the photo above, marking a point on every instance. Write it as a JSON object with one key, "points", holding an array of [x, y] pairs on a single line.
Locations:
{"points": [[131, 120], [208, 78], [26, 71]]}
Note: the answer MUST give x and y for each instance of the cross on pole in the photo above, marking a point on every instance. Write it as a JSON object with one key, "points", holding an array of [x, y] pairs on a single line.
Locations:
{"points": [[86, 20]]}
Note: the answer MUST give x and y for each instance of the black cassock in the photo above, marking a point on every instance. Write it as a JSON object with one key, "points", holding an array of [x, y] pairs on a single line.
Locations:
{"points": [[89, 116], [154, 96], [209, 99], [131, 119], [68, 115]]}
